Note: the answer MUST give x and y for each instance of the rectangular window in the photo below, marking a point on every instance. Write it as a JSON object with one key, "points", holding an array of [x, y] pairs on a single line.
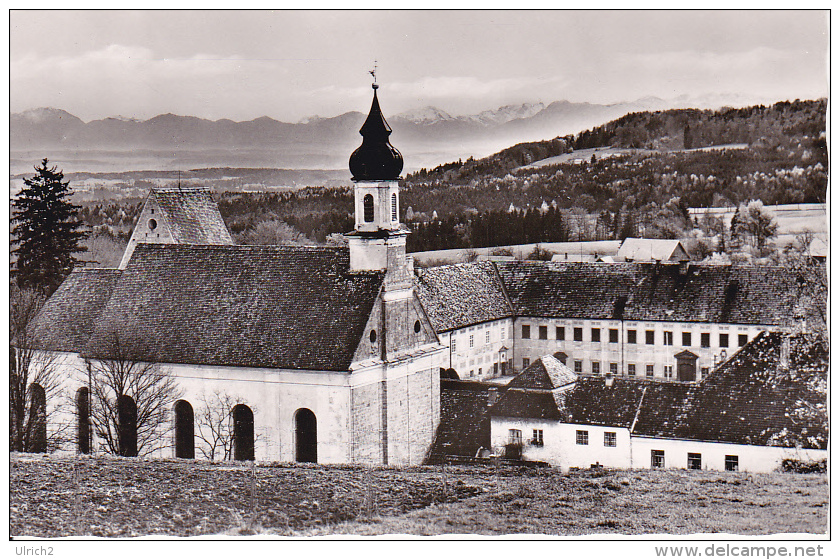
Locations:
{"points": [[596, 367], [479, 371], [578, 366], [609, 439], [496, 368], [578, 334], [649, 337], [705, 340], [668, 338], [631, 337], [742, 339], [724, 341], [704, 372], [560, 333], [669, 372], [515, 436], [454, 345], [614, 368], [731, 463], [525, 363], [537, 440], [631, 370], [503, 333], [596, 335], [472, 373], [543, 332], [649, 371], [686, 339], [472, 341], [694, 461], [613, 335], [582, 437], [526, 331], [657, 458], [487, 337]]}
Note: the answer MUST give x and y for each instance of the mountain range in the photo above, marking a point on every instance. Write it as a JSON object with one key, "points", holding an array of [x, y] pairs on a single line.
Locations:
{"points": [[426, 137]]}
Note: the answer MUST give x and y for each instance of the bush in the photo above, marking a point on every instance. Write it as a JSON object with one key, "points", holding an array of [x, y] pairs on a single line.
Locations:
{"points": [[513, 451], [800, 466]]}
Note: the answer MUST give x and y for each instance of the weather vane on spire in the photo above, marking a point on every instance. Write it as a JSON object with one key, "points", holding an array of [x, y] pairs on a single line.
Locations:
{"points": [[374, 85]]}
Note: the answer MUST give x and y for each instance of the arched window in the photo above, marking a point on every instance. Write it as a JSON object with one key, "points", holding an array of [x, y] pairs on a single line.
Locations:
{"points": [[37, 431], [368, 204], [184, 430], [306, 436], [243, 433], [83, 420], [394, 207], [127, 425]]}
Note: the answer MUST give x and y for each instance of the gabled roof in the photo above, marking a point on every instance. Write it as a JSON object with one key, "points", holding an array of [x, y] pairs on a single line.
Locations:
{"points": [[464, 422], [545, 373], [459, 295], [592, 401], [69, 316], [267, 306], [649, 250], [192, 216], [522, 403]]}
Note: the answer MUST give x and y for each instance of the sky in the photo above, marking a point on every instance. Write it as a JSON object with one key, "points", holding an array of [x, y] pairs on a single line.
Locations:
{"points": [[289, 65]]}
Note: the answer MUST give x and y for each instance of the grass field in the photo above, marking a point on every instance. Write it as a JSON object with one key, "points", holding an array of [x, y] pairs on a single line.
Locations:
{"points": [[52, 497]]}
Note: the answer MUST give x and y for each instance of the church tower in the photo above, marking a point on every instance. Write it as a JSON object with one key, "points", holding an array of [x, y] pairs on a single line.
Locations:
{"points": [[378, 240]]}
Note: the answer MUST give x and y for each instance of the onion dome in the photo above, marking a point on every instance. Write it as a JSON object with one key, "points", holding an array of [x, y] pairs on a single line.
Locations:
{"points": [[376, 159]]}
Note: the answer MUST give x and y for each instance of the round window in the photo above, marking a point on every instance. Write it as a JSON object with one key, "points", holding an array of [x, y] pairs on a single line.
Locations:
{"points": [[372, 336], [152, 224], [417, 326]]}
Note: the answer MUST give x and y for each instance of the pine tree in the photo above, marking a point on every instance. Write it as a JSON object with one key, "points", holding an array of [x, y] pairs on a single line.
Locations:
{"points": [[46, 230]]}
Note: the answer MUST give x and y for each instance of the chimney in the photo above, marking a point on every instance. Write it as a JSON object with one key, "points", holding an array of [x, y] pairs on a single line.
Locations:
{"points": [[492, 396], [784, 355]]}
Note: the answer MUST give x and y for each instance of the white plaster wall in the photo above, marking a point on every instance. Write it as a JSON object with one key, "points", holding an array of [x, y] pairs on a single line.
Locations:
{"points": [[143, 232], [751, 458], [381, 192], [623, 353], [482, 355]]}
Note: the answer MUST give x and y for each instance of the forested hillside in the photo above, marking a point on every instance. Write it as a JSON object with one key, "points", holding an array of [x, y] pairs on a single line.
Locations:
{"points": [[782, 158]]}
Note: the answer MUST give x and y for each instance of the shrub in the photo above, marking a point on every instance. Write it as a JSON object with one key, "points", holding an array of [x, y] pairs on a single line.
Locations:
{"points": [[801, 466]]}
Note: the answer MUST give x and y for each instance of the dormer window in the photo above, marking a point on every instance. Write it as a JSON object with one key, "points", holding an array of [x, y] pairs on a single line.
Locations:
{"points": [[368, 204]]}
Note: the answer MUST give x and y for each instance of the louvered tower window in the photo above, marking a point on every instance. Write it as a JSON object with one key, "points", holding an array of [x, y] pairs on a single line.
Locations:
{"points": [[393, 207]]}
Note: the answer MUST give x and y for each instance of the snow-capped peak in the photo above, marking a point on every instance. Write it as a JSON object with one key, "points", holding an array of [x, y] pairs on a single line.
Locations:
{"points": [[426, 115]]}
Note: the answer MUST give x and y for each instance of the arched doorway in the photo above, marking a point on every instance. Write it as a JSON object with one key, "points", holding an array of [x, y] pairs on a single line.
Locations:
{"points": [[127, 429], [184, 430], [306, 436], [37, 419], [243, 433], [83, 420]]}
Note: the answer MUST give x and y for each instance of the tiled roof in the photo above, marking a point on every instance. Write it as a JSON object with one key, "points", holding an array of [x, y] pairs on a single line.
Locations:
{"points": [[570, 290], [593, 402], [545, 373], [267, 306], [522, 403], [460, 295], [192, 216], [69, 316], [663, 409], [635, 249], [763, 295]]}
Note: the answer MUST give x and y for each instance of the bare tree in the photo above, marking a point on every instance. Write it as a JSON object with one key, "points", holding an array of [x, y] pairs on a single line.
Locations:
{"points": [[35, 389], [214, 420], [215, 425], [130, 398]]}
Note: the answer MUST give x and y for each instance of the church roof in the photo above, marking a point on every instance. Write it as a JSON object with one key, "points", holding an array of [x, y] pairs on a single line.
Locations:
{"points": [[266, 306], [459, 295], [192, 216], [68, 317]]}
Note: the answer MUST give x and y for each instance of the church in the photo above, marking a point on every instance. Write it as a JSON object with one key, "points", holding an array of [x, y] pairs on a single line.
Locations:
{"points": [[326, 352]]}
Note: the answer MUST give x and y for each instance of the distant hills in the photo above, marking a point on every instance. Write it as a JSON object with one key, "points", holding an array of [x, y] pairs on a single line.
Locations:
{"points": [[426, 137]]}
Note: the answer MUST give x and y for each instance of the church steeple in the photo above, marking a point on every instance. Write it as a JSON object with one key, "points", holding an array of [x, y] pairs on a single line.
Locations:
{"points": [[376, 159]]}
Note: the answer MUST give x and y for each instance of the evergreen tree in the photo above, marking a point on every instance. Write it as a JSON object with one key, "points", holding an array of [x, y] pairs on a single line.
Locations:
{"points": [[46, 230]]}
